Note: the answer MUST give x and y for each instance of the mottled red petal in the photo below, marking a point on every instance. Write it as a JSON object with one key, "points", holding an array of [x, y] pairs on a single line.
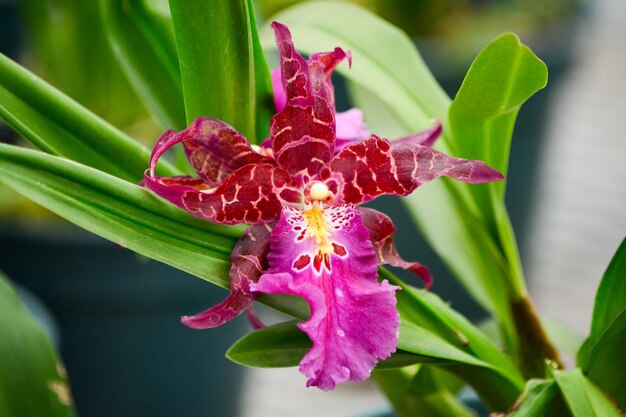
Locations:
{"points": [[213, 148], [303, 133], [426, 137], [372, 167], [249, 260], [381, 235], [252, 194]]}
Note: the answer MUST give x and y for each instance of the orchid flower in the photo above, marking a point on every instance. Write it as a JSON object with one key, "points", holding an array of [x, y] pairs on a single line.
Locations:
{"points": [[308, 237]]}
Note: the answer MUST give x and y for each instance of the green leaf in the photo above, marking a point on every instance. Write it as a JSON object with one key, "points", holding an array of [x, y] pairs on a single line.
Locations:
{"points": [[606, 362], [32, 380], [143, 43], [536, 399], [58, 125], [422, 342], [128, 215], [498, 382], [277, 346], [610, 301], [214, 43], [122, 212], [603, 405], [284, 345], [482, 116], [262, 83], [582, 398]]}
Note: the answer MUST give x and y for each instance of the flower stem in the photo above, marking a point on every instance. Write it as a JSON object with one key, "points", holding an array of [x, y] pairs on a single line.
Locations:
{"points": [[535, 348]]}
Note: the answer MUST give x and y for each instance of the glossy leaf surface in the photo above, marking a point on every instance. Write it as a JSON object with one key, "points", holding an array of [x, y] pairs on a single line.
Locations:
{"points": [[32, 380], [582, 398], [284, 345], [128, 215], [214, 44], [58, 125]]}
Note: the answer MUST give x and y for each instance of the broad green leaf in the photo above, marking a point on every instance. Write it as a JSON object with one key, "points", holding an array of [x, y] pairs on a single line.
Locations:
{"points": [[581, 397], [277, 346], [502, 77], [262, 83], [58, 125], [536, 399], [610, 301], [482, 116], [128, 215], [32, 380], [284, 345], [144, 46], [214, 43], [603, 405], [606, 363]]}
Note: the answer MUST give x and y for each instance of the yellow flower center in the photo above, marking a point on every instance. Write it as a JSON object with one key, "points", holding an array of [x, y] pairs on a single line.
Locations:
{"points": [[317, 228]]}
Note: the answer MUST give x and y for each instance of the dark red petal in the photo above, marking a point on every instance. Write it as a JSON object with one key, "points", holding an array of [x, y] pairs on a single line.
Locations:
{"points": [[303, 133], [372, 167], [252, 194], [249, 260], [426, 137], [213, 148], [381, 235], [321, 66]]}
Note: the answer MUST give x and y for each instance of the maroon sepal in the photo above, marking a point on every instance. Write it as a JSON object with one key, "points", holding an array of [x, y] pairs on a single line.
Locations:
{"points": [[252, 194], [249, 260], [214, 149], [372, 167], [381, 235], [303, 133]]}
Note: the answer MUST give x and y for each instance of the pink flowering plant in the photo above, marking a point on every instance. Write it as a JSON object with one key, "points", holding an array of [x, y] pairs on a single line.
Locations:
{"points": [[270, 201]]}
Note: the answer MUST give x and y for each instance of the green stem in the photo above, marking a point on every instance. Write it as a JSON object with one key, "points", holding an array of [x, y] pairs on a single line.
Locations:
{"points": [[535, 348]]}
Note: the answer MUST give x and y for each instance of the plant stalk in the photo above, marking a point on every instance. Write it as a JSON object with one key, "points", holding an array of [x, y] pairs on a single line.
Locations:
{"points": [[535, 348]]}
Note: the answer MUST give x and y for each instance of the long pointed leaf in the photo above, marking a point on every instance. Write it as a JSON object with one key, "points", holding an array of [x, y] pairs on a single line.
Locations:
{"points": [[122, 212], [58, 125], [262, 83], [581, 397], [609, 302], [214, 44], [128, 215]]}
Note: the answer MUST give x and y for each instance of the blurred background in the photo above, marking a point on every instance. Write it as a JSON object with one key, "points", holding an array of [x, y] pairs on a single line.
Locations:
{"points": [[115, 315]]}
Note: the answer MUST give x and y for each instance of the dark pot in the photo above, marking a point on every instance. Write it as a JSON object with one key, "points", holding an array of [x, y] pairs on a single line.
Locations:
{"points": [[125, 350]]}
